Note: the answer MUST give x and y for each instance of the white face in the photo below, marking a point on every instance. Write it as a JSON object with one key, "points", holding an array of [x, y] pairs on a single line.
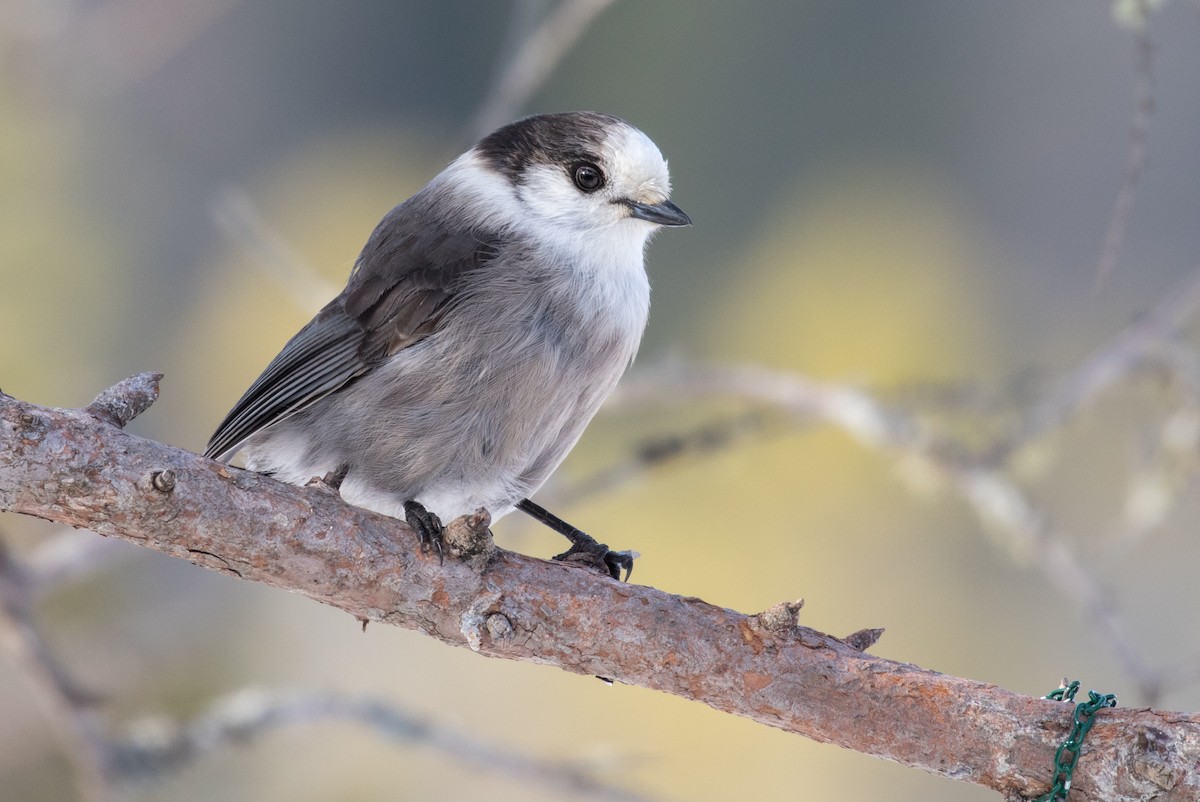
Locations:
{"points": [[632, 170], [590, 187]]}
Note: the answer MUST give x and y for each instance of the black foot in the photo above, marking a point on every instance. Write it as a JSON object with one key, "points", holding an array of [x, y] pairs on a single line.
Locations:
{"points": [[428, 527], [600, 557], [584, 548]]}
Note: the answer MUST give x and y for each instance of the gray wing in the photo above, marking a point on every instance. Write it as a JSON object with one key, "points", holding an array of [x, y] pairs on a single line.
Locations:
{"points": [[397, 293]]}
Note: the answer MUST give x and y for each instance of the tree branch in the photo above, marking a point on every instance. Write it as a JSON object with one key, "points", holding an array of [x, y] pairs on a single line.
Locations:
{"points": [[73, 467]]}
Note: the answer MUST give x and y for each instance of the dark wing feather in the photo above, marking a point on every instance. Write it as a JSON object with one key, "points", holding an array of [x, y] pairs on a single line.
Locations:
{"points": [[317, 361], [400, 286]]}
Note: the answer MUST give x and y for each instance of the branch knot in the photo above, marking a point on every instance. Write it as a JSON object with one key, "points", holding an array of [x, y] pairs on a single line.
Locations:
{"points": [[125, 400]]}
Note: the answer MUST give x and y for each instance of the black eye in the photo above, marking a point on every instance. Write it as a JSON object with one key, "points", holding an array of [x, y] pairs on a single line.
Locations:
{"points": [[588, 177]]}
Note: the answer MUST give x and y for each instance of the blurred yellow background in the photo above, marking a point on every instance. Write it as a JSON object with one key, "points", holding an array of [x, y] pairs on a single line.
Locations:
{"points": [[910, 198]]}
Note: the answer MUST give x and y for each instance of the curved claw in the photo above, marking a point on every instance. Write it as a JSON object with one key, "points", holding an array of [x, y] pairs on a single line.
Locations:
{"points": [[428, 527], [616, 561], [600, 557]]}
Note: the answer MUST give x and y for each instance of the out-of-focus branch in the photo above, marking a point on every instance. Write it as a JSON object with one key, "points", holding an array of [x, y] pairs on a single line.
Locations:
{"points": [[67, 556], [996, 500], [655, 452], [70, 466], [535, 58], [1112, 362], [63, 701], [239, 220], [157, 747], [1135, 158]]}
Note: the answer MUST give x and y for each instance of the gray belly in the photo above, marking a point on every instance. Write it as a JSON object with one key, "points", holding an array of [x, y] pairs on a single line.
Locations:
{"points": [[466, 418]]}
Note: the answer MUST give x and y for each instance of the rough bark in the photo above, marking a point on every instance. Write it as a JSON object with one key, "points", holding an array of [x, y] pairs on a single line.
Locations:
{"points": [[77, 467]]}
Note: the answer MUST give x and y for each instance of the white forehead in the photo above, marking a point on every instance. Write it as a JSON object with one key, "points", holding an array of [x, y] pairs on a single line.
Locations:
{"points": [[635, 165]]}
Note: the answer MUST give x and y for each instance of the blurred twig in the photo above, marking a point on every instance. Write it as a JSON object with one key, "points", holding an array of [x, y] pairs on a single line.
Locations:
{"points": [[1135, 159], [533, 61], [64, 702], [1111, 363], [156, 747], [237, 217], [655, 452], [67, 556], [996, 500], [849, 407]]}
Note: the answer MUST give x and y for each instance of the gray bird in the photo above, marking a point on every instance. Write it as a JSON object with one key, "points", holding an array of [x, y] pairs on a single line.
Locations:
{"points": [[483, 324]]}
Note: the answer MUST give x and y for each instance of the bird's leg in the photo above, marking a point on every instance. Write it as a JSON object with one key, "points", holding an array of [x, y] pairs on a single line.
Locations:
{"points": [[584, 547], [428, 527], [333, 480], [330, 482]]}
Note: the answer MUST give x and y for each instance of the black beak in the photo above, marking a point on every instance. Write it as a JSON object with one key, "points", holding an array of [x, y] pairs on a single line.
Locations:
{"points": [[663, 214]]}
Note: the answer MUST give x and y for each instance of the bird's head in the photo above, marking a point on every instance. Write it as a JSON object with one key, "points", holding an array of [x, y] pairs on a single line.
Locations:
{"points": [[582, 173]]}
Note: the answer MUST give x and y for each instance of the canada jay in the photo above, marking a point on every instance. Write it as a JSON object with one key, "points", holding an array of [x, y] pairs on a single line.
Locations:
{"points": [[484, 322]]}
